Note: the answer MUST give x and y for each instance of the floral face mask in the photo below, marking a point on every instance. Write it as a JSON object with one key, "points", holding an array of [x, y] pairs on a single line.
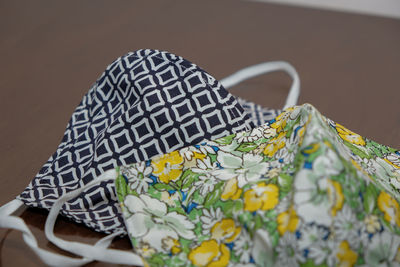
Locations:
{"points": [[300, 190]]}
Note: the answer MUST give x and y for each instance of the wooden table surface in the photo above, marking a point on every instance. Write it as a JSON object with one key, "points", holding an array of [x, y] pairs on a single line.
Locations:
{"points": [[52, 51]]}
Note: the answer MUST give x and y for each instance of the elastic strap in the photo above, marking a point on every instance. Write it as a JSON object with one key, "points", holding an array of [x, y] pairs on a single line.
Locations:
{"points": [[49, 258], [100, 253], [89, 253], [263, 68]]}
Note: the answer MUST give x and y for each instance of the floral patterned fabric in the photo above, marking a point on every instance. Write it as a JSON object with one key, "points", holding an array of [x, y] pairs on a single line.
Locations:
{"points": [[300, 190]]}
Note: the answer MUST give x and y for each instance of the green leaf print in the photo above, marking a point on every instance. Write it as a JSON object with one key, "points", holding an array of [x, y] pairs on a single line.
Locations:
{"points": [[285, 182], [370, 195], [246, 147], [213, 196], [188, 178], [156, 260], [163, 187], [225, 140], [378, 149], [121, 187], [356, 150]]}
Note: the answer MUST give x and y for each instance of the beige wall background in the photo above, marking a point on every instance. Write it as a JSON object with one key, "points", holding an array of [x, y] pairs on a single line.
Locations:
{"points": [[384, 8]]}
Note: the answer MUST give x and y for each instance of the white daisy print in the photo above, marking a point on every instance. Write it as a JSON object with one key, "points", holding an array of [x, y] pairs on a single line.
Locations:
{"points": [[138, 176]]}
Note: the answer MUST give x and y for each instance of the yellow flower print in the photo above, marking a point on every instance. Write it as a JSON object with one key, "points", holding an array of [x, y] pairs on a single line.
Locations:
{"points": [[280, 122], [275, 144], [349, 136], [225, 230], [210, 254], [190, 155], [172, 245], [393, 160], [199, 156], [389, 207], [264, 197], [311, 148], [287, 221], [231, 190], [223, 259], [335, 196], [355, 164], [205, 253], [146, 250], [391, 163], [168, 167], [301, 131], [269, 132], [345, 255]]}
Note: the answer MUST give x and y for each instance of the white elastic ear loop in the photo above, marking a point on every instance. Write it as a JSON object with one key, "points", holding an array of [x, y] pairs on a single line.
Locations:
{"points": [[49, 258], [84, 250], [263, 68]]}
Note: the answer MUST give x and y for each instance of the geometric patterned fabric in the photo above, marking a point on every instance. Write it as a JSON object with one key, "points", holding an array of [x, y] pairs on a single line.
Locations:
{"points": [[258, 114], [146, 103]]}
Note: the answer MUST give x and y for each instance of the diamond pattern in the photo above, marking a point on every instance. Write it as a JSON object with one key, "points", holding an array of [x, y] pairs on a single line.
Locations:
{"points": [[183, 110], [130, 114]]}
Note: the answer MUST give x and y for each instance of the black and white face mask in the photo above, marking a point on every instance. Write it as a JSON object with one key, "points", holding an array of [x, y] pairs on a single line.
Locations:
{"points": [[146, 103]]}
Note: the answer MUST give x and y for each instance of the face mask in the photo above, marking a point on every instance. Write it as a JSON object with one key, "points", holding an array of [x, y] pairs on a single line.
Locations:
{"points": [[145, 104], [300, 189]]}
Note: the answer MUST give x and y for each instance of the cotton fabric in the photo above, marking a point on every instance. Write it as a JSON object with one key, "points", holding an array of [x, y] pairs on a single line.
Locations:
{"points": [[300, 190], [146, 103]]}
